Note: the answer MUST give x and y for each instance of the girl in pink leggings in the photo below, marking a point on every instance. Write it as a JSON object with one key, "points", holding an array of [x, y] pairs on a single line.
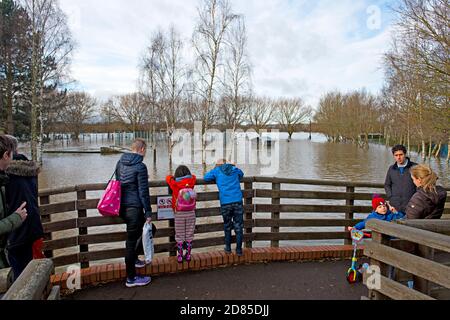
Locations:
{"points": [[183, 204]]}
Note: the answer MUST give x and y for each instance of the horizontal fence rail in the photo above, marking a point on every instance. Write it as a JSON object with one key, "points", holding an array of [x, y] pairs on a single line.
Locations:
{"points": [[34, 283], [261, 196], [409, 251]]}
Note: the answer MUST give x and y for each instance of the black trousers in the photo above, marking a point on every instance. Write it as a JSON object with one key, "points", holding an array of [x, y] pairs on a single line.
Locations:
{"points": [[19, 257], [135, 220]]}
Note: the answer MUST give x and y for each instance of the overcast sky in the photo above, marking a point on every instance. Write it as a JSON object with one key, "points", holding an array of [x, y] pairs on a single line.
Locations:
{"points": [[298, 48]]}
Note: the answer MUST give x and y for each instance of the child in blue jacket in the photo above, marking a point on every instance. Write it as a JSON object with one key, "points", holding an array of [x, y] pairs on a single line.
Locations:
{"points": [[380, 212], [228, 179]]}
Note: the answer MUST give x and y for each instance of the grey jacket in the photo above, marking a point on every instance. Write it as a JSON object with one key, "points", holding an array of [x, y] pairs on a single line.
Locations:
{"points": [[399, 186], [427, 205]]}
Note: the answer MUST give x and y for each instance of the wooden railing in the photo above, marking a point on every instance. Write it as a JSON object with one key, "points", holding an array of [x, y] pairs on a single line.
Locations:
{"points": [[261, 196], [414, 252], [34, 283]]}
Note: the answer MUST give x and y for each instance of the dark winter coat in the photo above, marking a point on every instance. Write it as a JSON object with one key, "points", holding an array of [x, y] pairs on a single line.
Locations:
{"points": [[427, 205], [7, 223], [399, 186], [133, 176], [23, 187]]}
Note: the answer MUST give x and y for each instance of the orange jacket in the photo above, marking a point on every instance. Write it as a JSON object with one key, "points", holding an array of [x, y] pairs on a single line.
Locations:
{"points": [[176, 186]]}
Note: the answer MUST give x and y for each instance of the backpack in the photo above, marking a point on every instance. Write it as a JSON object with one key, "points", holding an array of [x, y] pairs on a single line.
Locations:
{"points": [[186, 200]]}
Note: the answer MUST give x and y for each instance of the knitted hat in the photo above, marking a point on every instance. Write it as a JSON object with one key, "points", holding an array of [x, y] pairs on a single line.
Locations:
{"points": [[377, 201]]}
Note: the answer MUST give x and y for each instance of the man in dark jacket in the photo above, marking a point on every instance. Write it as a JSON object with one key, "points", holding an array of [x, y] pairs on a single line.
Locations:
{"points": [[135, 206], [399, 186], [23, 187], [8, 223]]}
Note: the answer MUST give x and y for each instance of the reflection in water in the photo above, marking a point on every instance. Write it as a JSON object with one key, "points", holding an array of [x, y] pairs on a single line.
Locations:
{"points": [[300, 158]]}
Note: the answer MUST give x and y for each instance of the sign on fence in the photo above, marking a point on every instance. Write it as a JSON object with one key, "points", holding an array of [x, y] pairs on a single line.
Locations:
{"points": [[165, 211]]}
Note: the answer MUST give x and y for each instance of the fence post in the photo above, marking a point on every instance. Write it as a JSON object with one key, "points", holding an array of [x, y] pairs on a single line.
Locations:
{"points": [[248, 215], [45, 200], [173, 250], [421, 284], [384, 240], [276, 187], [81, 195], [349, 214]]}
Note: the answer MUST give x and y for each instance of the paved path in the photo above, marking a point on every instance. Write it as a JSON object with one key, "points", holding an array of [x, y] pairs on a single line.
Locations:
{"points": [[273, 281]]}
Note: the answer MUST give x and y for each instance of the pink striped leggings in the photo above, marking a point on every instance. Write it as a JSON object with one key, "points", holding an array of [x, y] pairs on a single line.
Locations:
{"points": [[184, 226]]}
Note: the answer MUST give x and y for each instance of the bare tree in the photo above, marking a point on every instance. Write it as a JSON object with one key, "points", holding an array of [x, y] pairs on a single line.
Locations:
{"points": [[215, 18], [149, 83], [428, 21], [328, 115], [166, 76], [362, 114], [78, 109], [260, 113], [236, 81], [348, 117], [130, 109], [417, 69], [107, 115], [291, 113], [14, 58], [51, 46]]}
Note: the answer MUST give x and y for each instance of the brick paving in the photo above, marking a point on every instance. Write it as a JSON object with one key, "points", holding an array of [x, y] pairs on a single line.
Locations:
{"points": [[295, 273]]}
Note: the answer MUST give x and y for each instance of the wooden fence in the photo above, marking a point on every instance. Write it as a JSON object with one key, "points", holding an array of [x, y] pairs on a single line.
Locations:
{"points": [[34, 283], [413, 252], [262, 197]]}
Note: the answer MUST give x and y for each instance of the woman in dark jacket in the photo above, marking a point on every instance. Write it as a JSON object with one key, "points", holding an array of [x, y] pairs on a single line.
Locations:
{"points": [[429, 200], [22, 187], [135, 206]]}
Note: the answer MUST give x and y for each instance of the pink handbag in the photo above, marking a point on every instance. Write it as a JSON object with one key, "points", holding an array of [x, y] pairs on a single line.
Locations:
{"points": [[109, 204]]}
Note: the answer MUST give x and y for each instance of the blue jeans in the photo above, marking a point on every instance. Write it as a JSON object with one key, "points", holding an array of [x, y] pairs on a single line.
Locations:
{"points": [[233, 218]]}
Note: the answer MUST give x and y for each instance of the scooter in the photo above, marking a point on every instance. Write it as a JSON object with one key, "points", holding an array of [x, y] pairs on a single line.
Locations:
{"points": [[353, 274]]}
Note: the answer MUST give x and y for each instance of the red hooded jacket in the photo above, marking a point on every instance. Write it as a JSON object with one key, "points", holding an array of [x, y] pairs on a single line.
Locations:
{"points": [[176, 186]]}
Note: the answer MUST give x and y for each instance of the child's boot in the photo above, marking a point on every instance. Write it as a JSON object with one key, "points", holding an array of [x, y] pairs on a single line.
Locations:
{"points": [[188, 251], [180, 252]]}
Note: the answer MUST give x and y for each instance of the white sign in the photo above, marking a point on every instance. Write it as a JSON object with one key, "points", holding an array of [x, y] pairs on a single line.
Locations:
{"points": [[165, 211]]}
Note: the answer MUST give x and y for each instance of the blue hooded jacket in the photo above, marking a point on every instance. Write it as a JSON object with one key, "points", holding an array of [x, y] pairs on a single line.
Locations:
{"points": [[133, 176], [228, 179], [389, 216]]}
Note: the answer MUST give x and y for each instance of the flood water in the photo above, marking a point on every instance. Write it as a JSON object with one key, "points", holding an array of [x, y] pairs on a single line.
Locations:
{"points": [[300, 158]]}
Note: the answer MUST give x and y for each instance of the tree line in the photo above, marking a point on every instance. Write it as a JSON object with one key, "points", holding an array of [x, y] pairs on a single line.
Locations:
{"points": [[206, 78], [35, 54], [413, 106]]}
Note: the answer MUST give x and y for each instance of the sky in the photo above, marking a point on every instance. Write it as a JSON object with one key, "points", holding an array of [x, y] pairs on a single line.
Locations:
{"points": [[297, 48]]}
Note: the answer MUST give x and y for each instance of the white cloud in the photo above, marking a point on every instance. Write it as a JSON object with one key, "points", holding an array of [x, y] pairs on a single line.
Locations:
{"points": [[297, 48]]}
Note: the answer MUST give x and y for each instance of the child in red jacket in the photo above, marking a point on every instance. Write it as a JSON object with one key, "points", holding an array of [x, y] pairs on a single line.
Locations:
{"points": [[183, 204]]}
